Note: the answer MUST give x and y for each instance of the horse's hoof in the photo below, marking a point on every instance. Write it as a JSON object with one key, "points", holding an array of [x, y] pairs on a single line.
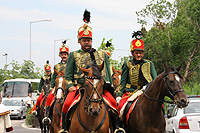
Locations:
{"points": [[119, 130], [34, 113], [63, 131], [46, 121]]}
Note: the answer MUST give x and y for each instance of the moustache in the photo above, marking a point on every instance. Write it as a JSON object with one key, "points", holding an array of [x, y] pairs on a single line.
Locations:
{"points": [[87, 45]]}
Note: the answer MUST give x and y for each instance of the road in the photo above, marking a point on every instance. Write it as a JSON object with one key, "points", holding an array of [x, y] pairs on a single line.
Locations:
{"points": [[20, 127]]}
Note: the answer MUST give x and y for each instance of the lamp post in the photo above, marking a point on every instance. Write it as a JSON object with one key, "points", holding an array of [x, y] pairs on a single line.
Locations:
{"points": [[5, 54], [55, 45], [30, 32]]}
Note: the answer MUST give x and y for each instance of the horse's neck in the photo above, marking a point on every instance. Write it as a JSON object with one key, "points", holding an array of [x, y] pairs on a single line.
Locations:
{"points": [[155, 91]]}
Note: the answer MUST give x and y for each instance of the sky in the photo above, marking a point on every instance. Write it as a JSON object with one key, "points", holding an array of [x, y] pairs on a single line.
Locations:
{"points": [[110, 19]]}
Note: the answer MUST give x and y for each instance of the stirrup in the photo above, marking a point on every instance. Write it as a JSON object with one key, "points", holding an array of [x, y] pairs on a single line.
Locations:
{"points": [[34, 113], [119, 130], [63, 131], [46, 121]]}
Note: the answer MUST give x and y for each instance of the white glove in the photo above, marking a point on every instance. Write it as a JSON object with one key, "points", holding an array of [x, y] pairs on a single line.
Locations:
{"points": [[118, 99]]}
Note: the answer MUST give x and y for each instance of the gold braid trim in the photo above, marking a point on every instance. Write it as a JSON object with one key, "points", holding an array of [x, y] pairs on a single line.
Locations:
{"points": [[4, 113], [133, 73], [146, 71]]}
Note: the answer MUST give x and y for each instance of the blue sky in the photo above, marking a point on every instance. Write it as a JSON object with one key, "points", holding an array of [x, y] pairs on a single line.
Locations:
{"points": [[110, 19]]}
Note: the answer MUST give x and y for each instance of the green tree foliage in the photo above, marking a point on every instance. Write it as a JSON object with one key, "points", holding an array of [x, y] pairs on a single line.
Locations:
{"points": [[27, 70], [174, 37]]}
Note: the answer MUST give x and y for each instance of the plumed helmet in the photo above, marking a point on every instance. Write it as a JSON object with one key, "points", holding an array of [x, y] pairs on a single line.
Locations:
{"points": [[63, 48], [47, 66], [85, 31], [137, 44], [107, 52]]}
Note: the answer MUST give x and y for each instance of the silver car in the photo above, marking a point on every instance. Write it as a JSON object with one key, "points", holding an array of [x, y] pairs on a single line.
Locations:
{"points": [[17, 108], [185, 120]]}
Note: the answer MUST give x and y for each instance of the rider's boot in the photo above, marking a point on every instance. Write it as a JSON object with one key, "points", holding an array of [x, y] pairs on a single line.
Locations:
{"points": [[47, 120], [116, 124], [65, 125], [36, 111]]}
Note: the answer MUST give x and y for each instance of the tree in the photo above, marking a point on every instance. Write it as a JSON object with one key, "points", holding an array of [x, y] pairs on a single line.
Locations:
{"points": [[27, 70]]}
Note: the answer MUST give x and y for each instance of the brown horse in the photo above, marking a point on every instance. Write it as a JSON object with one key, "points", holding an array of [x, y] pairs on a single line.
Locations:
{"points": [[91, 114], [41, 115], [116, 76], [147, 116], [60, 95]]}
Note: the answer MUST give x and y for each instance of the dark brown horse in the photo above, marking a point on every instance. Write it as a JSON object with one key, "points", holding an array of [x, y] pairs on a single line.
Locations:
{"points": [[91, 114], [116, 76], [60, 95], [45, 87], [147, 116]]}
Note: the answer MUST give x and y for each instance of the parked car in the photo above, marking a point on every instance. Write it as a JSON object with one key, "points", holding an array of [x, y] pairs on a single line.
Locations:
{"points": [[185, 120], [17, 108]]}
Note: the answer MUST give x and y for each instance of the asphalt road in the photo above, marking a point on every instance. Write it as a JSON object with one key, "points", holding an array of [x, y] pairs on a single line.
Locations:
{"points": [[19, 126]]}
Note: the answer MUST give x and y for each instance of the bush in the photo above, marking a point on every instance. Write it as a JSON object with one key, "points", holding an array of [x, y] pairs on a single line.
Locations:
{"points": [[29, 117]]}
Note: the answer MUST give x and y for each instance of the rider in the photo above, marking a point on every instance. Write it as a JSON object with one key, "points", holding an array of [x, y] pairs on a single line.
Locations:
{"points": [[47, 76], [63, 53], [136, 72], [82, 58]]}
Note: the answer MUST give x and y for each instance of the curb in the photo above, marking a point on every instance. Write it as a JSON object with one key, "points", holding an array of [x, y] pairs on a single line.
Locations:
{"points": [[29, 127]]}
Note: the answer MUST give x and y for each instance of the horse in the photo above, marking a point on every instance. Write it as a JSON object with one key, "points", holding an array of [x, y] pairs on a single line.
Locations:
{"points": [[91, 114], [60, 94], [44, 128], [116, 76], [147, 115]]}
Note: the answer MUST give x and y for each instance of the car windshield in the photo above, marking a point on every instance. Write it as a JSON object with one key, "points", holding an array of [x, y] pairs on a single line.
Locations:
{"points": [[193, 107], [12, 103]]}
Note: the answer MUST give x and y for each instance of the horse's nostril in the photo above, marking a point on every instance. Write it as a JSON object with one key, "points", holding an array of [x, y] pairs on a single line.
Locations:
{"points": [[91, 110], [183, 100]]}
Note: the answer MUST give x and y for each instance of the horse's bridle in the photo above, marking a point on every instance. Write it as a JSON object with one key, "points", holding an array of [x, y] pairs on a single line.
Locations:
{"points": [[64, 92], [89, 98], [171, 92]]}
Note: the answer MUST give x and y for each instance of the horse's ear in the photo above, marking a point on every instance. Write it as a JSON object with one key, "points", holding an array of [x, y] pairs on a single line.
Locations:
{"points": [[166, 67], [56, 71], [101, 66], [178, 68], [113, 69], [84, 70], [120, 72]]}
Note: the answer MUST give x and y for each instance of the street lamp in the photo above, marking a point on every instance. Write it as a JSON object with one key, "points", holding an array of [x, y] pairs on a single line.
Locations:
{"points": [[30, 31], [5, 54], [55, 45]]}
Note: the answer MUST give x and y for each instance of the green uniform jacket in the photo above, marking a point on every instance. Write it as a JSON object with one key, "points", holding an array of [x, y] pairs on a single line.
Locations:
{"points": [[81, 58], [127, 81], [58, 67], [43, 78]]}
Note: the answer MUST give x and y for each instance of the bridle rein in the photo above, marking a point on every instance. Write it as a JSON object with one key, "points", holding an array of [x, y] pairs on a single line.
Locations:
{"points": [[170, 90]]}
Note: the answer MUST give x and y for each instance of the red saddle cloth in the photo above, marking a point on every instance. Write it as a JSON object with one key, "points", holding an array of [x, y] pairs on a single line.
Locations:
{"points": [[105, 97]]}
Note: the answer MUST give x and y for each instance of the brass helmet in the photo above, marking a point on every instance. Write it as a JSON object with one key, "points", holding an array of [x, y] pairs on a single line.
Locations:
{"points": [[63, 48], [47, 67]]}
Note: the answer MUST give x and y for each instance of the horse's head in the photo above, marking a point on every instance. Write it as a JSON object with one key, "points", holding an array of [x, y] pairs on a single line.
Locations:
{"points": [[116, 76], [60, 86], [46, 86], [173, 82], [93, 89]]}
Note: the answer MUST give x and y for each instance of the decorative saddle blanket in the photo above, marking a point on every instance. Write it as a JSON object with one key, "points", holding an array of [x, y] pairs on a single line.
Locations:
{"points": [[133, 99]]}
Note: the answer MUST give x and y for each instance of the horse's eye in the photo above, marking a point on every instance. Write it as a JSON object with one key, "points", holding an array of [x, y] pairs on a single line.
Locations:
{"points": [[114, 78]]}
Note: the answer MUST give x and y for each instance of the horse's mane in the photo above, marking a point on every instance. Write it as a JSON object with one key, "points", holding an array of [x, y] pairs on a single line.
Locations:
{"points": [[95, 69]]}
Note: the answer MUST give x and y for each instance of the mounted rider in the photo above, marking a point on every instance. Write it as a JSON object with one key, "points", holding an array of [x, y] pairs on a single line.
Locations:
{"points": [[63, 53], [136, 72], [45, 77], [84, 57]]}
